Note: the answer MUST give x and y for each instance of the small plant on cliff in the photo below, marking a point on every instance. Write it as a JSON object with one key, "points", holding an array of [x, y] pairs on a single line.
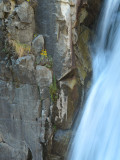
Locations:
{"points": [[54, 90], [50, 62], [44, 53], [21, 49], [54, 128], [35, 35]]}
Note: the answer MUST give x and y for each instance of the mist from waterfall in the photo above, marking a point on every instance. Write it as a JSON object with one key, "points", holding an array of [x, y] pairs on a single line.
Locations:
{"points": [[98, 132]]}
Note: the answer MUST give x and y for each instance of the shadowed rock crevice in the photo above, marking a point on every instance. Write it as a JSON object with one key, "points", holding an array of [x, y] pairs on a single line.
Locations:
{"points": [[30, 157], [87, 13]]}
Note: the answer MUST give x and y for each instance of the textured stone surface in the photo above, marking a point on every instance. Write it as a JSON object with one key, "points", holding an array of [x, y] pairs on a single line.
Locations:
{"points": [[21, 23], [23, 112], [84, 62], [25, 12], [43, 76], [38, 44], [67, 103], [26, 62], [60, 142], [8, 152], [19, 110], [32, 127], [54, 157], [55, 28], [1, 9]]}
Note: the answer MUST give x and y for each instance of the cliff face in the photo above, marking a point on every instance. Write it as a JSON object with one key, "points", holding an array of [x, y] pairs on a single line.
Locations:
{"points": [[41, 93]]}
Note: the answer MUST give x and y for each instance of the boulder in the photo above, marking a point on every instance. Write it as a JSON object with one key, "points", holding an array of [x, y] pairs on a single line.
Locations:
{"points": [[60, 142], [21, 24], [43, 76], [8, 152], [21, 74], [25, 12], [38, 44], [26, 62]]}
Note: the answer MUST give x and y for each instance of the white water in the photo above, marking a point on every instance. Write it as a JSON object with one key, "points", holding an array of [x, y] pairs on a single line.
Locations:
{"points": [[98, 133]]}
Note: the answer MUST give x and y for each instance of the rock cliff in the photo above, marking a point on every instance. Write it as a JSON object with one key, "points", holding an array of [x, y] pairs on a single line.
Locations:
{"points": [[45, 70]]}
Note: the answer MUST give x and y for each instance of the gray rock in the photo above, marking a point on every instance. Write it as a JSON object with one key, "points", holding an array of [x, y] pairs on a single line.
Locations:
{"points": [[21, 26], [25, 12], [1, 10], [26, 111], [45, 23], [33, 3], [1, 138], [44, 117], [5, 71], [38, 44], [44, 93], [54, 157], [46, 106], [20, 120], [43, 76], [60, 142], [55, 25], [8, 6], [67, 103], [20, 1], [7, 152], [26, 62], [82, 52], [22, 75]]}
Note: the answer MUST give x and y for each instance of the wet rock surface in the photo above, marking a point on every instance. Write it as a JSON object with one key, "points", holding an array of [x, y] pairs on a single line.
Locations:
{"points": [[60, 142]]}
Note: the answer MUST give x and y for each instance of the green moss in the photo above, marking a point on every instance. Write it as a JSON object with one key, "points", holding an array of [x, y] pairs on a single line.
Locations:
{"points": [[54, 128], [53, 90], [35, 35]]}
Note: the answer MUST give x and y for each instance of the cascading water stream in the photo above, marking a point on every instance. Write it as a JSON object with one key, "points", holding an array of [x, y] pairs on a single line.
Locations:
{"points": [[98, 133]]}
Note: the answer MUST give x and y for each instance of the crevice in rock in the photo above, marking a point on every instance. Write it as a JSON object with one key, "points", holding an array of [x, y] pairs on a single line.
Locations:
{"points": [[45, 153], [30, 157]]}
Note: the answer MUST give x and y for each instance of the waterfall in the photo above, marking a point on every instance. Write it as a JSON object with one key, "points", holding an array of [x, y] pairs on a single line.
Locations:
{"points": [[98, 132]]}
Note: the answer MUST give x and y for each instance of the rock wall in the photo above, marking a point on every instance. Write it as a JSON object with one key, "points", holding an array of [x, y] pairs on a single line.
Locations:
{"points": [[40, 94]]}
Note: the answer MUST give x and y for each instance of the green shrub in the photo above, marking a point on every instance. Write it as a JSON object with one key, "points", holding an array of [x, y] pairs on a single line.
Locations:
{"points": [[54, 90], [50, 62]]}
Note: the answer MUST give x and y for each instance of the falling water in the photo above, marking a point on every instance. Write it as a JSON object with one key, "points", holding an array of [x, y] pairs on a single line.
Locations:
{"points": [[98, 134]]}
